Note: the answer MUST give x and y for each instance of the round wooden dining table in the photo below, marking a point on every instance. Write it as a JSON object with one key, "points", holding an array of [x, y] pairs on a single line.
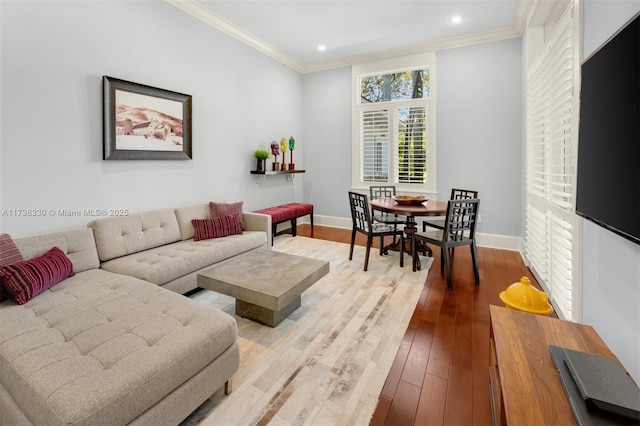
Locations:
{"points": [[410, 211]]}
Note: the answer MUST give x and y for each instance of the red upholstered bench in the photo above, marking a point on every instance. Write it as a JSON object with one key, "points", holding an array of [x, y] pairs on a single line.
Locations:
{"points": [[288, 212]]}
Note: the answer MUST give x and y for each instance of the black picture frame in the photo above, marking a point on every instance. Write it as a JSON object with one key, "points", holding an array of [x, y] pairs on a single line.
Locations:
{"points": [[141, 122]]}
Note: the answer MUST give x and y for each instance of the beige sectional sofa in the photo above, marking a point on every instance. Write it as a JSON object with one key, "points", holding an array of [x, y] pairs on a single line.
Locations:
{"points": [[157, 246], [111, 345]]}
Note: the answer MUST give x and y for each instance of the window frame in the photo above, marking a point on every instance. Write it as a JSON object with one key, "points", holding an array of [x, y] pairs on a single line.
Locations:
{"points": [[407, 63]]}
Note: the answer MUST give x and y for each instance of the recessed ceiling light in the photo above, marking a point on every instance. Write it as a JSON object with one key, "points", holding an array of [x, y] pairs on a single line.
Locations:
{"points": [[322, 47], [456, 19]]}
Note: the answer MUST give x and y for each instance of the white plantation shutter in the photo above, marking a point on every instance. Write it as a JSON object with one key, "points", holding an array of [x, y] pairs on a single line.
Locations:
{"points": [[538, 242], [374, 146], [410, 145], [537, 127], [561, 266], [562, 87], [552, 111], [394, 143]]}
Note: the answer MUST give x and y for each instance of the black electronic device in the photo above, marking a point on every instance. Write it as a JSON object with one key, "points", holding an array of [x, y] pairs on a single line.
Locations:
{"points": [[600, 391], [608, 174]]}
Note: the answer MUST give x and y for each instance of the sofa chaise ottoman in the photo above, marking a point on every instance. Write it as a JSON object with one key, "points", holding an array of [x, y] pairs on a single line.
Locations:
{"points": [[103, 348]]}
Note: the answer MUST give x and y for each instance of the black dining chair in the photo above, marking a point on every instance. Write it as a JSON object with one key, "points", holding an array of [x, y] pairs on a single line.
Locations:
{"points": [[363, 223], [385, 191], [456, 194], [459, 230]]}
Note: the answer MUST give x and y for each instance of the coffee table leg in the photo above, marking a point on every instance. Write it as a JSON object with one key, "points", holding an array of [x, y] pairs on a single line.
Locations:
{"points": [[264, 315]]}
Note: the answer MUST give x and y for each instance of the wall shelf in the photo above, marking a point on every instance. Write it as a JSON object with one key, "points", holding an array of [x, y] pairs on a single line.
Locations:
{"points": [[260, 175], [273, 172]]}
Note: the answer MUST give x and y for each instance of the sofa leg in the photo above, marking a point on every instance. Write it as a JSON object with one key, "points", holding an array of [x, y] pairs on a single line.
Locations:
{"points": [[228, 387]]}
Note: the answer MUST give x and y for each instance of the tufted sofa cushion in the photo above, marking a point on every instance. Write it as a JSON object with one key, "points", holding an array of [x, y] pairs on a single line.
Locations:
{"points": [[120, 236], [161, 265], [184, 216], [102, 348], [78, 244]]}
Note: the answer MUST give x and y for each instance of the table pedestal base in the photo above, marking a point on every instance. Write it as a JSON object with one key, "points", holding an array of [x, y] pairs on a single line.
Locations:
{"points": [[410, 229]]}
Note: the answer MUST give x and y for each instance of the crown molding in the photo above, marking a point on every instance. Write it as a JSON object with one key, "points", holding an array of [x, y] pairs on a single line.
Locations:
{"points": [[450, 43], [200, 12], [522, 15]]}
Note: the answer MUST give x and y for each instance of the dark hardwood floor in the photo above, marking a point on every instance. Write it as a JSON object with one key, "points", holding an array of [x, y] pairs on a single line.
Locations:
{"points": [[440, 375]]}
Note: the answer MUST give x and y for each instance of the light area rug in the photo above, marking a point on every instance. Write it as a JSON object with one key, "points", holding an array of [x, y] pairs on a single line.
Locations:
{"points": [[328, 361]]}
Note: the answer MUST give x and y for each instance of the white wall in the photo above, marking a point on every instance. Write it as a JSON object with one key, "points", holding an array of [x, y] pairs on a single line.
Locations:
{"points": [[611, 264], [53, 55], [479, 123], [479, 138], [327, 127]]}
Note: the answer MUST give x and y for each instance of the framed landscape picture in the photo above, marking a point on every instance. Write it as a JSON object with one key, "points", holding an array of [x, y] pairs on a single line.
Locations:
{"points": [[144, 123]]}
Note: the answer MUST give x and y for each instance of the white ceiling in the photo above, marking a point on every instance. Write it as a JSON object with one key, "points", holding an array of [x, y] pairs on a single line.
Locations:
{"points": [[355, 31]]}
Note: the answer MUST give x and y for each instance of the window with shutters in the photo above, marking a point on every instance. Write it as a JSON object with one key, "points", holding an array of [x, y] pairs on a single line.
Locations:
{"points": [[552, 231], [393, 121]]}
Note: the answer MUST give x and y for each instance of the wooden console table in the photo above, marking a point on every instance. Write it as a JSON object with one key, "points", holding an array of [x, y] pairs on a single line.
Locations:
{"points": [[525, 387]]}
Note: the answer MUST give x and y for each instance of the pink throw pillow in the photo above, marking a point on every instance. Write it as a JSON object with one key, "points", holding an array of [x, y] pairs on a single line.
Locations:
{"points": [[9, 254], [25, 280], [225, 209], [216, 227]]}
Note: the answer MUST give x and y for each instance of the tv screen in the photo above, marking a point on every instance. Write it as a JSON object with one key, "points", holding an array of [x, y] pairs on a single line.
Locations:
{"points": [[608, 180]]}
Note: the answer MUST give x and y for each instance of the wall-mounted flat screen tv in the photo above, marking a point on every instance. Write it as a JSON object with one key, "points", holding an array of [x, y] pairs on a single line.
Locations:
{"points": [[608, 180]]}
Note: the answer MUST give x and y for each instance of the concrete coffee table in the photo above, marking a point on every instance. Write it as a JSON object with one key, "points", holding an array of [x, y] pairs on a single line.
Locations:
{"points": [[266, 284]]}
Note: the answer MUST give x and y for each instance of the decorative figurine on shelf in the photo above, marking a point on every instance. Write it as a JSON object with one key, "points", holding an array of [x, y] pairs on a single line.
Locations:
{"points": [[292, 145], [275, 151], [283, 148]]}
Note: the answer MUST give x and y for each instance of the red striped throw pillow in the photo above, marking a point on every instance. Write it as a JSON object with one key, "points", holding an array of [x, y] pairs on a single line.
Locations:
{"points": [[219, 226], [25, 280], [9, 254]]}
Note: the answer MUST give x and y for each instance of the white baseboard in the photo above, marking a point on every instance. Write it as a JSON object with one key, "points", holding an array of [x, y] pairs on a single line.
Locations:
{"points": [[332, 221], [503, 242]]}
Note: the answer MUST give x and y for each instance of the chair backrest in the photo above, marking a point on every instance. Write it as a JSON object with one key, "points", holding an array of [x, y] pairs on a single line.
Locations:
{"points": [[461, 219], [360, 211], [382, 191], [462, 194]]}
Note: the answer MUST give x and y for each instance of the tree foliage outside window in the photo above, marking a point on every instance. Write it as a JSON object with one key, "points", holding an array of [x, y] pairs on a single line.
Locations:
{"points": [[395, 87]]}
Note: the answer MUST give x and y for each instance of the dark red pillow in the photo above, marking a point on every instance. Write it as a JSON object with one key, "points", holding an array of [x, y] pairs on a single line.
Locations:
{"points": [[225, 209], [219, 226], [25, 280], [9, 254]]}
